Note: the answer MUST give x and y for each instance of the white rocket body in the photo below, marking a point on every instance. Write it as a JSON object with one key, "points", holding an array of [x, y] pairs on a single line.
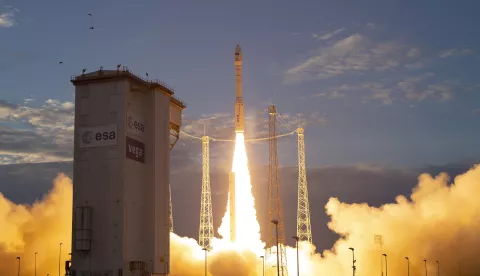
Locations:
{"points": [[239, 108]]}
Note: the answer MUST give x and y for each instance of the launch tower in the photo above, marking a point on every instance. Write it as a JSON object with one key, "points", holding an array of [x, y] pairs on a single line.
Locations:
{"points": [[123, 130]]}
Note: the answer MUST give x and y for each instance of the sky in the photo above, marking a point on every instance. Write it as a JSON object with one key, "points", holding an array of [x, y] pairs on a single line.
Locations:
{"points": [[372, 82]]}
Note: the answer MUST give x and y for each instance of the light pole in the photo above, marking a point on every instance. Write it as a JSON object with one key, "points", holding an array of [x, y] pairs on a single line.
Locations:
{"points": [[36, 263], [296, 244], [59, 258], [408, 265], [353, 262], [386, 264], [206, 250], [275, 221], [438, 268], [18, 271], [263, 265], [426, 271]]}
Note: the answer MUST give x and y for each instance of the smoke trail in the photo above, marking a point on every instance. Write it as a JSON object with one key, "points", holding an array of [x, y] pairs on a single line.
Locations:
{"points": [[438, 222]]}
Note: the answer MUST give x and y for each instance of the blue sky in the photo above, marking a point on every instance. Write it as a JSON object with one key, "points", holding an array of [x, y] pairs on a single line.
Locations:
{"points": [[381, 83]]}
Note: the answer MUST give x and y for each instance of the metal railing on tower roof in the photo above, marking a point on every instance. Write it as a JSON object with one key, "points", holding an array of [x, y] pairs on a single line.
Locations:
{"points": [[121, 72]]}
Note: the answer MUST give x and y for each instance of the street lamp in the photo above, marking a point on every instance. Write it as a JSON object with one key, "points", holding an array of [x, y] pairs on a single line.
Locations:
{"points": [[263, 265], [296, 243], [426, 271], [18, 271], [353, 262], [275, 221], [408, 265], [386, 264], [36, 263], [59, 258], [206, 250], [438, 268]]}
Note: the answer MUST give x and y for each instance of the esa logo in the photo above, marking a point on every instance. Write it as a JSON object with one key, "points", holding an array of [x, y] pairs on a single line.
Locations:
{"points": [[88, 136], [133, 124]]}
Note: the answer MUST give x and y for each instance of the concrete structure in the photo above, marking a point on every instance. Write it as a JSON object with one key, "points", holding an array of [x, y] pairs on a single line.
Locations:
{"points": [[123, 126], [239, 108]]}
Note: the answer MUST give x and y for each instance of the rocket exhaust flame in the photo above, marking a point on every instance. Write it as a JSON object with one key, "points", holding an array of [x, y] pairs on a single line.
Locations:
{"points": [[247, 228]]}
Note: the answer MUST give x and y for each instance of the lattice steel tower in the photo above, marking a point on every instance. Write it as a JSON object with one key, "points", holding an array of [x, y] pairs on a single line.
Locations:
{"points": [[274, 198], [304, 229], [206, 218]]}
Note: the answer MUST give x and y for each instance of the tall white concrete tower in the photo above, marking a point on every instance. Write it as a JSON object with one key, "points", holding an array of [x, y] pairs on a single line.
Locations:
{"points": [[123, 126]]}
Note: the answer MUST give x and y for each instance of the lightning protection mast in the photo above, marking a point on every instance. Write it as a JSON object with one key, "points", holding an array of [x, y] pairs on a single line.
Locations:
{"points": [[378, 240], [304, 229], [206, 218], [274, 198]]}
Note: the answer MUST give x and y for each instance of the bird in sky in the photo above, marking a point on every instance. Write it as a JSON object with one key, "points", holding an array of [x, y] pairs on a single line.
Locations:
{"points": [[83, 71], [61, 62], [90, 14], [91, 28]]}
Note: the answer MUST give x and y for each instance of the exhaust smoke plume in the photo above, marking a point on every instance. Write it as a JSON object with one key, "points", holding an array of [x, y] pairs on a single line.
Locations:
{"points": [[40, 228], [438, 222]]}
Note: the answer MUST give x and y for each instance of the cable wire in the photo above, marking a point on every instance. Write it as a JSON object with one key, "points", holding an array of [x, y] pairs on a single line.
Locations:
{"points": [[230, 140], [191, 136], [284, 122]]}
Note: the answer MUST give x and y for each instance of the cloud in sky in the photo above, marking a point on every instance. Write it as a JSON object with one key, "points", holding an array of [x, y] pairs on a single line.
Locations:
{"points": [[355, 53], [328, 35], [7, 19], [414, 90], [36, 134], [45, 133], [455, 52], [411, 88], [413, 53]]}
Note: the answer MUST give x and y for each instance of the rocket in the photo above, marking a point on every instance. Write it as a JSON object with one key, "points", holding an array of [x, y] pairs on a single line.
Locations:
{"points": [[239, 128], [239, 109]]}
